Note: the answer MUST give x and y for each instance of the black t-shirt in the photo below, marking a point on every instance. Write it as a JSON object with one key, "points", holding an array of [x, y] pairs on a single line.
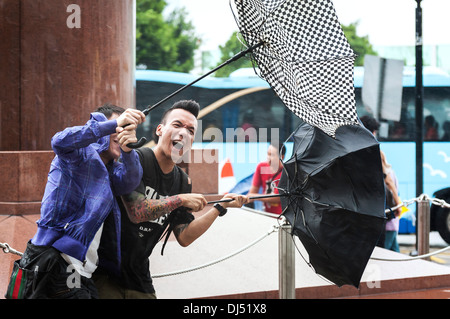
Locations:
{"points": [[138, 240]]}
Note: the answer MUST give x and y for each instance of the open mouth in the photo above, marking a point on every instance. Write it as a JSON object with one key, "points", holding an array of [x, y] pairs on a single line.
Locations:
{"points": [[178, 145]]}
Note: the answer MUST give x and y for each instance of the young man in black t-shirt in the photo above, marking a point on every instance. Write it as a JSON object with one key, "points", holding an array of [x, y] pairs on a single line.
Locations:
{"points": [[163, 201]]}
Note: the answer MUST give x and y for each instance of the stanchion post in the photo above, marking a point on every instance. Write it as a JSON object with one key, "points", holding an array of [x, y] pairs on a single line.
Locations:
{"points": [[286, 254], [423, 225]]}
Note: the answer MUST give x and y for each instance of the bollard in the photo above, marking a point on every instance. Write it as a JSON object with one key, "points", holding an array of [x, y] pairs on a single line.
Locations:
{"points": [[286, 261], [423, 227]]}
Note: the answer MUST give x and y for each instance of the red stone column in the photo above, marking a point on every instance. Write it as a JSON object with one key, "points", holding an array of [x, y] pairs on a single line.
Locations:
{"points": [[10, 75], [66, 71], [59, 60]]}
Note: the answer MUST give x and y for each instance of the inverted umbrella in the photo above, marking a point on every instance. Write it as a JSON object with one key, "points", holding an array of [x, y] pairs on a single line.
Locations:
{"points": [[335, 200], [305, 57]]}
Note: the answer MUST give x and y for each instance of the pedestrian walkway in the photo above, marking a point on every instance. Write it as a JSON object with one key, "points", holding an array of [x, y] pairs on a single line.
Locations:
{"points": [[407, 244], [439, 293], [254, 272]]}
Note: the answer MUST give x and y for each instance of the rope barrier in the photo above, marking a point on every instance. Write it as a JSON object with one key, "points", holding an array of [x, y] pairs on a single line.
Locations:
{"points": [[434, 201], [439, 202], [413, 258], [274, 229], [423, 197]]}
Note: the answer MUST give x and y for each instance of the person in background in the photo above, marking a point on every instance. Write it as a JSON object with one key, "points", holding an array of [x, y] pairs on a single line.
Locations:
{"points": [[266, 177], [388, 239], [392, 200], [446, 128], [431, 129]]}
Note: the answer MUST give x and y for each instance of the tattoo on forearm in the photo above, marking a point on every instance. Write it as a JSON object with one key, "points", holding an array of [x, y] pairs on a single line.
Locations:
{"points": [[140, 209], [179, 229]]}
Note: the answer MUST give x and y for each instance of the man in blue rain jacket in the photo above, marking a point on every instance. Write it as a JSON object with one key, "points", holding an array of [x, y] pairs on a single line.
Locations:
{"points": [[84, 179]]}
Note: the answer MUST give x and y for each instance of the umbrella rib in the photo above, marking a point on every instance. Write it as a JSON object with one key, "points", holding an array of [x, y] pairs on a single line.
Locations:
{"points": [[298, 208], [298, 250], [298, 61], [259, 31], [309, 229], [284, 168]]}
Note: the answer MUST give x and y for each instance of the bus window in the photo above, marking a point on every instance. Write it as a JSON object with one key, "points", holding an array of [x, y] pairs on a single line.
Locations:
{"points": [[250, 118], [436, 115]]}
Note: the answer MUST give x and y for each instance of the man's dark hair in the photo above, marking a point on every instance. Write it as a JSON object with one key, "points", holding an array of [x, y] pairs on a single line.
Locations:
{"points": [[109, 109], [189, 105], [370, 123], [281, 149]]}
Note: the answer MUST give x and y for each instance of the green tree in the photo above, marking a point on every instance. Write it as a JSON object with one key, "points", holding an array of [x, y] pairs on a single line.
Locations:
{"points": [[231, 48], [164, 44], [360, 45]]}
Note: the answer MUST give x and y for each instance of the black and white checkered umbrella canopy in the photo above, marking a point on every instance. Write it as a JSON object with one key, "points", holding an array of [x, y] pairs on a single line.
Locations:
{"points": [[305, 57]]}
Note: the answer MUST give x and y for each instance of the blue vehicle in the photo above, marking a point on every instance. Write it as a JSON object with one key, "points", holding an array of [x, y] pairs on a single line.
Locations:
{"points": [[241, 115]]}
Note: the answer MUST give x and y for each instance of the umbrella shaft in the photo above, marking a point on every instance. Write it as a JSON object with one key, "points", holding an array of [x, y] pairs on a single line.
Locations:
{"points": [[227, 200], [232, 59]]}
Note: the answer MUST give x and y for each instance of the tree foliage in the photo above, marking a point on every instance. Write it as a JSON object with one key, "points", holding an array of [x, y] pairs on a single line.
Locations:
{"points": [[232, 47], [360, 45], [164, 44]]}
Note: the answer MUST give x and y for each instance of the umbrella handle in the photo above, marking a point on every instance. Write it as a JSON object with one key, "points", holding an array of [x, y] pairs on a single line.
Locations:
{"points": [[239, 55], [227, 200], [142, 140], [138, 144]]}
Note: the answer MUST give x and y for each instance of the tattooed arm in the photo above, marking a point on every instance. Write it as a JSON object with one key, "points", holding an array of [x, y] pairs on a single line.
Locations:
{"points": [[140, 209]]}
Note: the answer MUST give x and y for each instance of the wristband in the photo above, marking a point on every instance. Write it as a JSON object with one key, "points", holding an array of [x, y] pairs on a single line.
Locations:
{"points": [[220, 208]]}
